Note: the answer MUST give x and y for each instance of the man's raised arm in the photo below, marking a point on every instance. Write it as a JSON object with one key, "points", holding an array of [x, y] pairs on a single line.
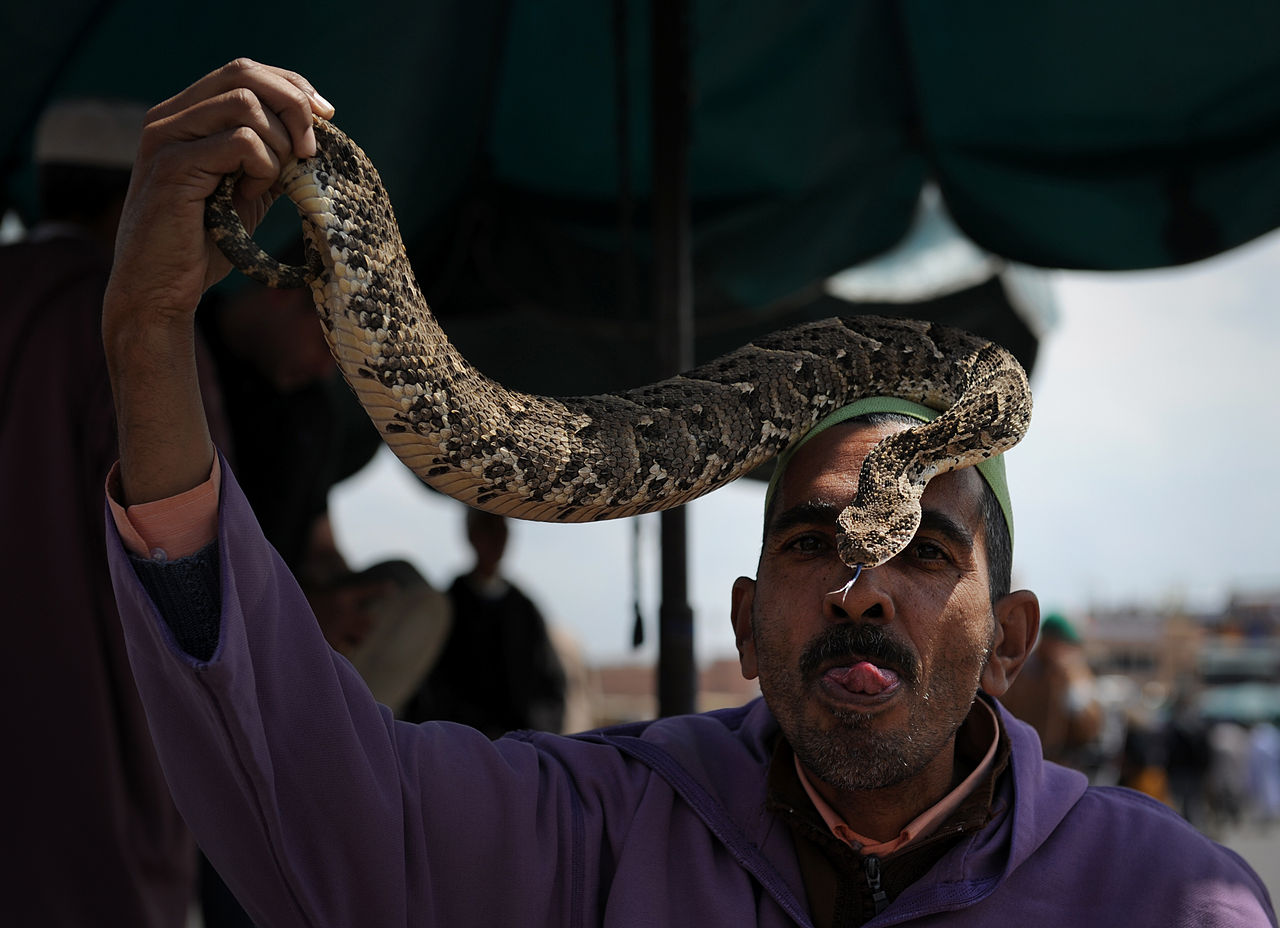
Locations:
{"points": [[244, 117]]}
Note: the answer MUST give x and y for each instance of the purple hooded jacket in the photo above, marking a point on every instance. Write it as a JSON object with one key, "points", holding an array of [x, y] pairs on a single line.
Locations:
{"points": [[319, 809]]}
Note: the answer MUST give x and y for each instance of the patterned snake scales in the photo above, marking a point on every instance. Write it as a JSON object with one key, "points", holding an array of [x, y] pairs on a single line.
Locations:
{"points": [[654, 447]]}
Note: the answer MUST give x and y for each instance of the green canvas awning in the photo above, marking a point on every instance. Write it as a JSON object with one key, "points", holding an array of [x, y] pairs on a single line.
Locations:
{"points": [[1081, 135]]}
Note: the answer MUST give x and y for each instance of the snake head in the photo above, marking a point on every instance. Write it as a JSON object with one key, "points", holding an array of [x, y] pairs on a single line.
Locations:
{"points": [[869, 537]]}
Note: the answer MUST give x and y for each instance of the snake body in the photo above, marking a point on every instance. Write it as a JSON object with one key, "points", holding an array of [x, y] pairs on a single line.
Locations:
{"points": [[613, 455]]}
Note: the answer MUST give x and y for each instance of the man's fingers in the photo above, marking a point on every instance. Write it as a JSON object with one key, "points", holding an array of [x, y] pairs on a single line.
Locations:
{"points": [[199, 164], [228, 133], [280, 88], [233, 109], [285, 93], [245, 117]]}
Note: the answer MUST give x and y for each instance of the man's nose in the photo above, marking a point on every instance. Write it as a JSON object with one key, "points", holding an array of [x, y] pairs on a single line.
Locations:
{"points": [[862, 594]]}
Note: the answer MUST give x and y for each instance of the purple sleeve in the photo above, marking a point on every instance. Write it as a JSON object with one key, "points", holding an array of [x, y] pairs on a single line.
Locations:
{"points": [[315, 804]]}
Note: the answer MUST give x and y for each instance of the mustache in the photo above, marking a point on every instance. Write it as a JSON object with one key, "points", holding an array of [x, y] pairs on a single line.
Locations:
{"points": [[863, 640]]}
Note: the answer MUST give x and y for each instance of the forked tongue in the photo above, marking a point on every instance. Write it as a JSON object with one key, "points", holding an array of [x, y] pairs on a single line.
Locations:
{"points": [[864, 677]]}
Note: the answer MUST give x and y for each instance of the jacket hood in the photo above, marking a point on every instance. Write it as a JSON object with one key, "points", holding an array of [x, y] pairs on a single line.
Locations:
{"points": [[1042, 792], [691, 753], [1031, 801], [701, 747]]}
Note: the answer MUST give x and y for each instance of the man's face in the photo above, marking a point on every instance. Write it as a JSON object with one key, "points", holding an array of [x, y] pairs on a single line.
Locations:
{"points": [[870, 682]]}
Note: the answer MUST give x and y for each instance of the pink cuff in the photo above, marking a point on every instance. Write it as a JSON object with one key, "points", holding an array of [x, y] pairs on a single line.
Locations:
{"points": [[168, 529]]}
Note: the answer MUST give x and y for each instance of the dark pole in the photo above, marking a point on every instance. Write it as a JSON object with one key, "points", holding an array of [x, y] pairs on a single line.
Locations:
{"points": [[673, 309]]}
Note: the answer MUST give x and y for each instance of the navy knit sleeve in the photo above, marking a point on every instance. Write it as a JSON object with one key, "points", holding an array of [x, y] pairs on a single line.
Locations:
{"points": [[187, 592]]}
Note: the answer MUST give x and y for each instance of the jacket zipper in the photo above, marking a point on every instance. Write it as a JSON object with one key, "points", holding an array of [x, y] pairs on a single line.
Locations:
{"points": [[871, 867]]}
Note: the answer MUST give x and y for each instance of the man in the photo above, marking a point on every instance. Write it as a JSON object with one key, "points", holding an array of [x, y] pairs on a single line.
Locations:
{"points": [[1054, 694], [499, 671], [93, 837], [869, 780]]}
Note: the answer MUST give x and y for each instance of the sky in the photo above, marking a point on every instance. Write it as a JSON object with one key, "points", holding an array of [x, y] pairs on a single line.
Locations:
{"points": [[1147, 478]]}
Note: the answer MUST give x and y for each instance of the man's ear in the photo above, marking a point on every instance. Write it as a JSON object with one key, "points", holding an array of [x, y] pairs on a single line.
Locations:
{"points": [[1017, 624], [744, 596]]}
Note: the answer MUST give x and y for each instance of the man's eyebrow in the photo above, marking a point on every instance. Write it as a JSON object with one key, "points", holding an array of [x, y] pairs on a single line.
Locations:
{"points": [[812, 512], [935, 520]]}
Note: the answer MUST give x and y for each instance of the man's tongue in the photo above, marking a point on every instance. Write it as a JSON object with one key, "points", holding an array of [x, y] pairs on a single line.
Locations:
{"points": [[864, 678]]}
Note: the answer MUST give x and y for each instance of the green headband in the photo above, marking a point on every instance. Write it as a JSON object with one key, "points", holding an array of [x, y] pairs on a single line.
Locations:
{"points": [[991, 469]]}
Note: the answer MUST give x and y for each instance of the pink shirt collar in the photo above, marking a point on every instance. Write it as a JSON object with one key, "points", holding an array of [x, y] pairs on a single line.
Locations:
{"points": [[983, 728]]}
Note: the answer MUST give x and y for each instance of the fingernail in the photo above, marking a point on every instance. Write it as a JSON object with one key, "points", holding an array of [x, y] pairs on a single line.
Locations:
{"points": [[306, 146], [322, 101]]}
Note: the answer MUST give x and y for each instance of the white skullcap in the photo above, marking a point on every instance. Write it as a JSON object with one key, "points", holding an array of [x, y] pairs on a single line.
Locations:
{"points": [[95, 133]]}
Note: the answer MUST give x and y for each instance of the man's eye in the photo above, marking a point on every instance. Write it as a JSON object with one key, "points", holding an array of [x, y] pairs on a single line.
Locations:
{"points": [[810, 543], [928, 551]]}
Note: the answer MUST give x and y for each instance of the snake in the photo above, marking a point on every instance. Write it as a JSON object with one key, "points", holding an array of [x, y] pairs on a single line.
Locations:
{"points": [[654, 447]]}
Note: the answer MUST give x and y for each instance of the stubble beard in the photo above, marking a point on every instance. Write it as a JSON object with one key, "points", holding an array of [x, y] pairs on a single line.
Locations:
{"points": [[854, 753]]}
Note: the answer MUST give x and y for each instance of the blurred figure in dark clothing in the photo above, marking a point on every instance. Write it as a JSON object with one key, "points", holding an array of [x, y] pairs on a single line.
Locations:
{"points": [[93, 834], [1054, 693], [1189, 757], [499, 671]]}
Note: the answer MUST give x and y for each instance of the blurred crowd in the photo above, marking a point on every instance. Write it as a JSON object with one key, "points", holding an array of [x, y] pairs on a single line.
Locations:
{"points": [[1219, 773]]}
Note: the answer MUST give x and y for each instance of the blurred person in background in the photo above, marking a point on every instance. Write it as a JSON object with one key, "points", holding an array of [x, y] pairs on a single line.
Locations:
{"points": [[1264, 773], [1054, 693], [93, 834], [499, 671], [1187, 745], [1228, 778]]}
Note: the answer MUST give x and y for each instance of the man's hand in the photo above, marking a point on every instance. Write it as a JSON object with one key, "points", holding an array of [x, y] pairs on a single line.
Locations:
{"points": [[245, 117]]}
